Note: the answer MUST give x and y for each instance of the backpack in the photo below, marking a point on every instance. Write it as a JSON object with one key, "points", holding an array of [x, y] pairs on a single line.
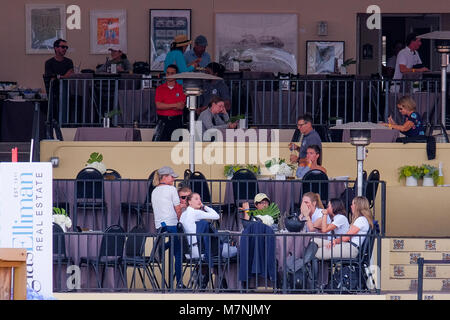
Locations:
{"points": [[140, 67], [346, 279]]}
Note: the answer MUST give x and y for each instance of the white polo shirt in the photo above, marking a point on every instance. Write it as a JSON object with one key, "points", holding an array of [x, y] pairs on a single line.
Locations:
{"points": [[408, 58]]}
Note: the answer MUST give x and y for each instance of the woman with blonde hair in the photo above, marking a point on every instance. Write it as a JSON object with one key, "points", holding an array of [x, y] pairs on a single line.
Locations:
{"points": [[348, 246], [311, 211], [413, 125]]}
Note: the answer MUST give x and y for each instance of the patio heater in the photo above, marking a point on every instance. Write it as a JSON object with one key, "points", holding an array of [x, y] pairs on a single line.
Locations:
{"points": [[360, 134], [193, 87], [442, 43]]}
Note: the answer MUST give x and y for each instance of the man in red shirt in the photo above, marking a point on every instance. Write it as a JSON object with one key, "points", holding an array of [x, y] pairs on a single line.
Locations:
{"points": [[170, 102]]}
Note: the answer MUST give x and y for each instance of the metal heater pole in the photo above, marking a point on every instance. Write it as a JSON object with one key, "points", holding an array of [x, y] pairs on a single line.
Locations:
{"points": [[444, 63], [192, 104], [360, 156]]}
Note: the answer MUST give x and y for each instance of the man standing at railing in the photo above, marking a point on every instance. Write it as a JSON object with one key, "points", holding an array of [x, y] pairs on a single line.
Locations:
{"points": [[309, 137], [408, 59]]}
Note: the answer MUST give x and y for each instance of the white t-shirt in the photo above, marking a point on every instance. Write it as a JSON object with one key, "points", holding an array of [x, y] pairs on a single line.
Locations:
{"points": [[318, 215], [164, 200], [341, 223], [408, 58], [363, 225], [189, 217]]}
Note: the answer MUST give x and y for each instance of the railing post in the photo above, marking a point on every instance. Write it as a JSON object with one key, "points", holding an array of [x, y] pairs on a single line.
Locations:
{"points": [[420, 278]]}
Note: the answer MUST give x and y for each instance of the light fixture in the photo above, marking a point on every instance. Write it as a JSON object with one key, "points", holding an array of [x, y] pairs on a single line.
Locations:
{"points": [[193, 87], [442, 44], [360, 134], [322, 28]]}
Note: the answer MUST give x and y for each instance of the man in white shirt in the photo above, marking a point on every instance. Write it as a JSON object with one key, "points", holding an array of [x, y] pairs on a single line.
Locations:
{"points": [[408, 57]]}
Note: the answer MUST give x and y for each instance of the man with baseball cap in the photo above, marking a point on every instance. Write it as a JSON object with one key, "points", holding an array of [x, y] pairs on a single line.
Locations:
{"points": [[263, 207], [198, 52], [118, 58]]}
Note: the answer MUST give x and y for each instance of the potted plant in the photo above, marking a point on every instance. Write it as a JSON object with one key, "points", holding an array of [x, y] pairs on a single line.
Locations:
{"points": [[345, 64], [230, 169], [95, 161], [411, 173], [430, 175], [241, 119], [61, 218], [279, 168]]}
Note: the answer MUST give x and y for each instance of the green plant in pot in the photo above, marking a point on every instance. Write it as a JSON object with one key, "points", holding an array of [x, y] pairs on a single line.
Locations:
{"points": [[430, 175], [411, 174], [230, 169]]}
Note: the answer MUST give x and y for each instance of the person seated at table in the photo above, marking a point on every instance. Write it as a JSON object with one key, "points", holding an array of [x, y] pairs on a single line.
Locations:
{"points": [[413, 125], [311, 211], [118, 58], [170, 101], [313, 161], [339, 222], [308, 137], [264, 207], [167, 211], [216, 116], [184, 192], [348, 246], [214, 88]]}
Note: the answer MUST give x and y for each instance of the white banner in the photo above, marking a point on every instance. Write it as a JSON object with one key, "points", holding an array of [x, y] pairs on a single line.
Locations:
{"points": [[26, 218]]}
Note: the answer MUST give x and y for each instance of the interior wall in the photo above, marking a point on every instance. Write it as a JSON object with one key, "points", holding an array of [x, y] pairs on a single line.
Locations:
{"points": [[27, 70]]}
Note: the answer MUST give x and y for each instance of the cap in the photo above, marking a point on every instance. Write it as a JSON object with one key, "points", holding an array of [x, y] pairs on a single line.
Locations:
{"points": [[181, 40], [116, 48], [260, 197], [201, 41], [167, 171]]}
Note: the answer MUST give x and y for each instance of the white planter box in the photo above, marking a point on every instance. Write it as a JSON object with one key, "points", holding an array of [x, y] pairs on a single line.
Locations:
{"points": [[411, 181]]}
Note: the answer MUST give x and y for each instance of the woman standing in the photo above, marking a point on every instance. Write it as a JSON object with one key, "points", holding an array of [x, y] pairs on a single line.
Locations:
{"points": [[348, 246], [175, 55], [167, 210]]}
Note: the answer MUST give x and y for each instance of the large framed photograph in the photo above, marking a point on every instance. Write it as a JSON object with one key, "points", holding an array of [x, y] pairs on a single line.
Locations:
{"points": [[108, 30], [45, 23], [257, 41], [323, 57], [165, 25]]}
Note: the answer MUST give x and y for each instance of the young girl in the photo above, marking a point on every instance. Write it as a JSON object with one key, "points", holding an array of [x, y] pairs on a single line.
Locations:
{"points": [[413, 125]]}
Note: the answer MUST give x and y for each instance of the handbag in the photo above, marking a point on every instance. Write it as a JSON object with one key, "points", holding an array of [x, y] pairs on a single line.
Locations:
{"points": [[293, 223]]}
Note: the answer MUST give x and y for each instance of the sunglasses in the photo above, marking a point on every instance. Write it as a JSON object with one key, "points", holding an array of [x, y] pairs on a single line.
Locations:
{"points": [[63, 47], [183, 197]]}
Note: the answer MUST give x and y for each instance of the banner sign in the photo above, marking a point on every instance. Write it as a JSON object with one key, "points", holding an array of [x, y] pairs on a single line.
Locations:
{"points": [[26, 218]]}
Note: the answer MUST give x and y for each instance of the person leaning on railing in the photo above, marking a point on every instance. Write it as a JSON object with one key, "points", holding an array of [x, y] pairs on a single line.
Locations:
{"points": [[313, 161], [216, 116], [347, 246], [413, 125], [311, 211]]}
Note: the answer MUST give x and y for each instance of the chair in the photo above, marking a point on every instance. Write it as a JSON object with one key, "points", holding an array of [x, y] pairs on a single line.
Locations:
{"points": [[110, 254], [111, 174], [59, 253], [312, 182], [134, 257], [245, 187], [362, 261], [198, 183], [322, 130], [138, 208], [371, 186], [89, 192]]}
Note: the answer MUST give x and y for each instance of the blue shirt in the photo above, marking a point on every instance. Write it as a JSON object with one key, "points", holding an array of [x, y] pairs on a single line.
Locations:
{"points": [[176, 57], [417, 129], [191, 56]]}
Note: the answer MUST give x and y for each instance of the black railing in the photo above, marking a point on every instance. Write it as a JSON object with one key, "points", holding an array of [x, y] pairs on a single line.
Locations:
{"points": [[280, 263], [265, 103], [420, 263]]}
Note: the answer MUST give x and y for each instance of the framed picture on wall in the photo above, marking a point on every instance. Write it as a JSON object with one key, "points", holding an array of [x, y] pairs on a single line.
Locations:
{"points": [[323, 57], [165, 25], [108, 30], [45, 23], [257, 41]]}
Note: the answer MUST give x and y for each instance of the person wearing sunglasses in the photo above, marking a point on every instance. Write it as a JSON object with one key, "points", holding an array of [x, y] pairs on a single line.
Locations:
{"points": [[59, 66], [184, 192]]}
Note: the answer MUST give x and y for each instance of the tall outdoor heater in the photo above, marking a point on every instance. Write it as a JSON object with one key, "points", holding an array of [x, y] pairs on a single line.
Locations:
{"points": [[442, 43], [360, 134], [193, 87]]}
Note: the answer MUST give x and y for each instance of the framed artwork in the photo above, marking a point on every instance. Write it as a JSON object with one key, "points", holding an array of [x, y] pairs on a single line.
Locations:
{"points": [[165, 25], [108, 30], [257, 41], [45, 23], [323, 56]]}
